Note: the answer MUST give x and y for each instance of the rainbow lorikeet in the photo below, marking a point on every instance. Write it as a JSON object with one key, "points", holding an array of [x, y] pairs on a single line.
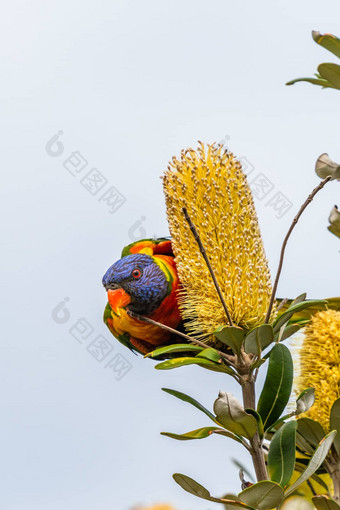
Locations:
{"points": [[143, 281]]}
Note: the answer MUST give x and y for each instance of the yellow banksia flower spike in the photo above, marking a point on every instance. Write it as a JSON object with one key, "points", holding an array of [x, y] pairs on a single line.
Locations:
{"points": [[210, 183], [319, 364]]}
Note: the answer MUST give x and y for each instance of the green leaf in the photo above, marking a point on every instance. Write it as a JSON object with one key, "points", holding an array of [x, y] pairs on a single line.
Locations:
{"points": [[191, 486], [231, 336], [277, 387], [181, 362], [314, 81], [229, 497], [281, 456], [315, 462], [272, 429], [305, 401], [192, 401], [258, 339], [263, 495], [299, 299], [283, 318], [173, 348], [226, 433], [259, 362], [303, 316], [325, 503], [334, 229], [310, 430], [195, 488], [258, 419], [303, 445], [194, 434], [209, 354], [331, 73], [287, 331], [203, 433], [231, 414], [327, 41], [335, 423]]}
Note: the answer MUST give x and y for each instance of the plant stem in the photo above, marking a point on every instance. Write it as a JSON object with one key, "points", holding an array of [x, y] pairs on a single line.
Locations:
{"points": [[336, 486], [333, 468], [284, 244], [207, 261], [248, 392]]}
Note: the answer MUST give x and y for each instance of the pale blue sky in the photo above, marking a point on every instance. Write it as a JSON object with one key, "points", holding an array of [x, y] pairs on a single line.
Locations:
{"points": [[130, 84]]}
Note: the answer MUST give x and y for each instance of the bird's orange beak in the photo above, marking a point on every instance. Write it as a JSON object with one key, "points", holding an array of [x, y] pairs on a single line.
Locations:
{"points": [[118, 298]]}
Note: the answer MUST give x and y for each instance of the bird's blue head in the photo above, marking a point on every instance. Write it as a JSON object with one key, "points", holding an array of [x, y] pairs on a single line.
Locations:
{"points": [[141, 278]]}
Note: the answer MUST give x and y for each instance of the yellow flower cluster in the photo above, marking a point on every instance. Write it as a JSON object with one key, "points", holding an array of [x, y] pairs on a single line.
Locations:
{"points": [[210, 183], [319, 363]]}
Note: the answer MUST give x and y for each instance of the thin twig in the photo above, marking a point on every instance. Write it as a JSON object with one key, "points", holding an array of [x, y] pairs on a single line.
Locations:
{"points": [[205, 256], [227, 357], [284, 244]]}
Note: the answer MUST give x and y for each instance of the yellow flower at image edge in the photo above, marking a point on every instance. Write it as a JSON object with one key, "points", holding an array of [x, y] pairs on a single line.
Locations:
{"points": [[155, 507], [319, 363], [210, 183]]}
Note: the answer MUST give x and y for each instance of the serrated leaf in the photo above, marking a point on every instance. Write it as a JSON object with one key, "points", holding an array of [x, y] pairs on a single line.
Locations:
{"points": [[263, 495], [331, 73], [328, 41], [305, 401], [190, 485], [335, 423], [192, 401], [231, 336], [287, 315], [281, 456], [201, 433], [277, 387], [258, 339], [173, 348], [325, 503], [230, 413], [315, 462]]}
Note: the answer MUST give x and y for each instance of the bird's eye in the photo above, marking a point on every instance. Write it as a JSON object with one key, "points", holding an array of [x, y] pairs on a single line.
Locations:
{"points": [[136, 273]]}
